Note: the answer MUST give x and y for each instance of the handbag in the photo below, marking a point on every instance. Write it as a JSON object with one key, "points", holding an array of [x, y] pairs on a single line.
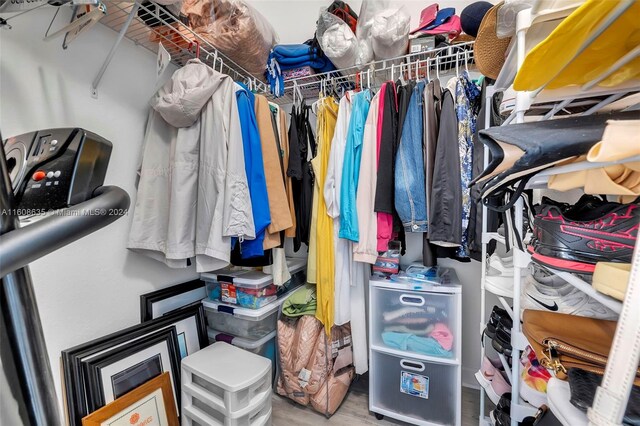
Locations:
{"points": [[583, 385], [567, 341]]}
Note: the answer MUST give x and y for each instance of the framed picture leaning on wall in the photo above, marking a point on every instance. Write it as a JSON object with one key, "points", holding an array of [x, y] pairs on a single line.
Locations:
{"points": [[190, 325], [158, 303], [113, 373], [148, 404]]}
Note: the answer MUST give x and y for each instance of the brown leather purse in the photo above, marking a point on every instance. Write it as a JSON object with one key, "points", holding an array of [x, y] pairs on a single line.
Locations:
{"points": [[564, 341]]}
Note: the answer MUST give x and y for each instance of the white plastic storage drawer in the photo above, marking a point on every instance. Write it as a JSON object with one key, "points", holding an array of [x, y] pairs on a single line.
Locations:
{"points": [[199, 413], [421, 323], [412, 390]]}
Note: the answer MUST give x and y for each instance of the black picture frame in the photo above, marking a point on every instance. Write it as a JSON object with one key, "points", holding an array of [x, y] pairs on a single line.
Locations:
{"points": [[73, 379], [92, 369], [173, 292]]}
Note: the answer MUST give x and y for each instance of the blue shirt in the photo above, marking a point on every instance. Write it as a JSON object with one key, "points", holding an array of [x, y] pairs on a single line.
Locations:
{"points": [[254, 167], [351, 166]]}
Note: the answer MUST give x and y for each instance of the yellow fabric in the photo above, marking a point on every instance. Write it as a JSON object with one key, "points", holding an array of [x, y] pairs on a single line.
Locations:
{"points": [[325, 258], [612, 278], [549, 57], [620, 140]]}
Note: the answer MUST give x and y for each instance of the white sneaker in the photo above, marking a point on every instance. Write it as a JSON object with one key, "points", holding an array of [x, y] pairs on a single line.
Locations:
{"points": [[559, 395], [499, 285], [563, 298]]}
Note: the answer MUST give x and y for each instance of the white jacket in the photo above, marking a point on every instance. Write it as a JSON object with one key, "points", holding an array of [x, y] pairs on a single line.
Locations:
{"points": [[193, 194]]}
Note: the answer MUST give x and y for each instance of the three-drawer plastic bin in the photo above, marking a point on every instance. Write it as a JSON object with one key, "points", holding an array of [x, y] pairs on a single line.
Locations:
{"points": [[415, 333]]}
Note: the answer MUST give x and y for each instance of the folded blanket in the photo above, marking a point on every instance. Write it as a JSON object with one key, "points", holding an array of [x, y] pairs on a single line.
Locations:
{"points": [[303, 301], [289, 56], [413, 343]]}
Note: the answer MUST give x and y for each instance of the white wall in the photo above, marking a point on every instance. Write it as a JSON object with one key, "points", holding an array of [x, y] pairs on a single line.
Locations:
{"points": [[294, 20], [91, 287]]}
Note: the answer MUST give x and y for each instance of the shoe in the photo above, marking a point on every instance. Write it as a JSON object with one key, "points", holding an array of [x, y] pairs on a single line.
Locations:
{"points": [[502, 266], [501, 342], [501, 416], [576, 239], [498, 316], [611, 279], [533, 379], [559, 396], [491, 378], [561, 297], [498, 285]]}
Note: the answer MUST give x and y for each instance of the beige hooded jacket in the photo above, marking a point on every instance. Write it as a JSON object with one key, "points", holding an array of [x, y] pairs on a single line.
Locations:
{"points": [[193, 194]]}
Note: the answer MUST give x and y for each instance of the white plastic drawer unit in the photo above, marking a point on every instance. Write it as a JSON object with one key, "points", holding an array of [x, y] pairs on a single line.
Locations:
{"points": [[423, 324], [414, 391]]}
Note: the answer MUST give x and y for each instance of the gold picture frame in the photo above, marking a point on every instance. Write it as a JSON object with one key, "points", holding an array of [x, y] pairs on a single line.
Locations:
{"points": [[151, 404]]}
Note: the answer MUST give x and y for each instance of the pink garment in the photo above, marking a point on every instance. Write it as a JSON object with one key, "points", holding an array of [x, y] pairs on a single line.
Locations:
{"points": [[442, 335], [385, 220]]}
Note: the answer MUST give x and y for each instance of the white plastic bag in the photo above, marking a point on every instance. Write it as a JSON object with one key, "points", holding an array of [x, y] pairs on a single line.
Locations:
{"points": [[389, 33], [368, 10], [337, 40]]}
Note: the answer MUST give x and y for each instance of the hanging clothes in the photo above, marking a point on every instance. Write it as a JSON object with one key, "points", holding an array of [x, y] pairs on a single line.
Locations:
{"points": [[302, 149], [351, 166], [445, 216], [432, 106], [467, 107], [312, 260], [254, 168], [366, 249], [278, 206], [284, 144], [336, 308], [325, 260], [410, 199], [192, 196], [388, 135]]}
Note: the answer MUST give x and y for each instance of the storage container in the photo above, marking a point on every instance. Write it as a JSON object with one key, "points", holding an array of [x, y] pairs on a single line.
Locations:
{"points": [[200, 414], [252, 324], [265, 347], [422, 323], [414, 391], [230, 381], [251, 288]]}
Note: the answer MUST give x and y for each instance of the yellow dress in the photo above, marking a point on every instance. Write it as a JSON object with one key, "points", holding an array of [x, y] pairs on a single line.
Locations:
{"points": [[548, 58], [325, 260]]}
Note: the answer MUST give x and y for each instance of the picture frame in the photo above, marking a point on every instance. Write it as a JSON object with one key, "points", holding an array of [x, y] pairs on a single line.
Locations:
{"points": [[158, 303], [187, 318], [122, 369], [148, 403]]}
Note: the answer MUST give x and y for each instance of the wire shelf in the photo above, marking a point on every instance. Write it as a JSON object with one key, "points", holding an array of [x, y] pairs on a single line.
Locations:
{"points": [[178, 39], [429, 64]]}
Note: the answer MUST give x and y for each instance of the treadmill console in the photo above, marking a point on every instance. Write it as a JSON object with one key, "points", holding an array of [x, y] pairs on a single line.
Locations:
{"points": [[56, 168]]}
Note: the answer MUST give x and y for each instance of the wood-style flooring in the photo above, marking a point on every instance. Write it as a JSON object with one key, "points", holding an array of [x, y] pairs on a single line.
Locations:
{"points": [[355, 410]]}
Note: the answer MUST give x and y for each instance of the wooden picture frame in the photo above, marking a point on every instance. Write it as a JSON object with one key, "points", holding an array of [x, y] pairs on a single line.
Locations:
{"points": [[72, 359], [125, 411], [161, 302], [159, 349]]}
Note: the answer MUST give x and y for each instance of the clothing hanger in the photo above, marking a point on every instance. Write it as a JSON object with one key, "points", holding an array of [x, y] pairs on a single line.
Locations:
{"points": [[466, 61], [401, 78], [457, 63]]}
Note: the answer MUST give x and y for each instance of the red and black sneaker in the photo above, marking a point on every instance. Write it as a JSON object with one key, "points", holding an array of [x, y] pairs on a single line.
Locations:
{"points": [[576, 242]]}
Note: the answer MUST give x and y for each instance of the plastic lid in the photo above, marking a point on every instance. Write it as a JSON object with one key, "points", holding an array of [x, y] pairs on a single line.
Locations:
{"points": [[249, 278], [246, 313], [231, 368], [240, 342]]}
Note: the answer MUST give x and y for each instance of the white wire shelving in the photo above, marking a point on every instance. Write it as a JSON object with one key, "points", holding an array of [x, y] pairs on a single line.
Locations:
{"points": [[430, 64], [130, 20], [611, 399]]}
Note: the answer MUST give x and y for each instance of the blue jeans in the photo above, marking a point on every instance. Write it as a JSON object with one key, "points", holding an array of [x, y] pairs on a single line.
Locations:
{"points": [[410, 196]]}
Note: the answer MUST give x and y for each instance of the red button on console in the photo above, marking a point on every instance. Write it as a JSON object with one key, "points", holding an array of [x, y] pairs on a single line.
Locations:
{"points": [[39, 175]]}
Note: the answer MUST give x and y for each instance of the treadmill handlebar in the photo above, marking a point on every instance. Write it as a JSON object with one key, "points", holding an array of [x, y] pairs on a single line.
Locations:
{"points": [[22, 246]]}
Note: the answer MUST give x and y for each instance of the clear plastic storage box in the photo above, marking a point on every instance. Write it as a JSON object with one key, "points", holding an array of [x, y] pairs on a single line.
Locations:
{"points": [[250, 288], [414, 391]]}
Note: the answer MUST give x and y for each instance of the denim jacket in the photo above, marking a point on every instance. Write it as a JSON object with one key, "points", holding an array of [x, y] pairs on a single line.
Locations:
{"points": [[410, 197]]}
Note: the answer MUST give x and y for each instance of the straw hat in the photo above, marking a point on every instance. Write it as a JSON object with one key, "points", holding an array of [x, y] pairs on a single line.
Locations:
{"points": [[489, 50]]}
